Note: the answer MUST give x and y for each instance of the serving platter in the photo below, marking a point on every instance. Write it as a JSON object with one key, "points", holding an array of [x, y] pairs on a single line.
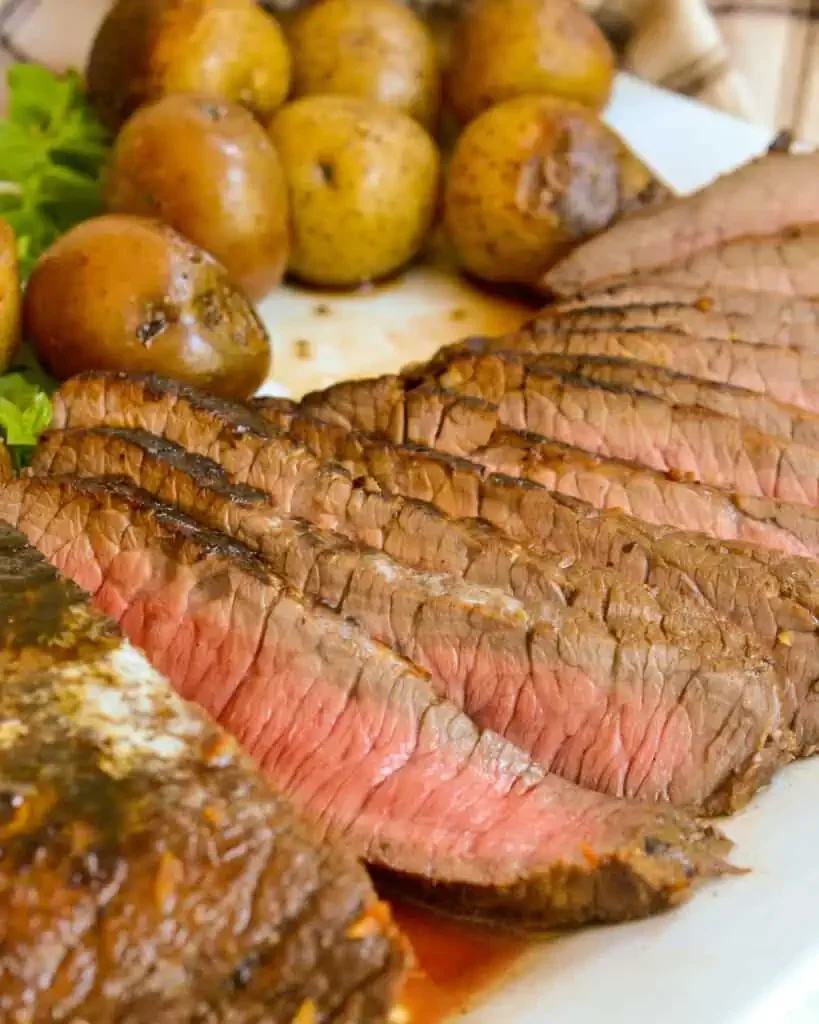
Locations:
{"points": [[745, 950]]}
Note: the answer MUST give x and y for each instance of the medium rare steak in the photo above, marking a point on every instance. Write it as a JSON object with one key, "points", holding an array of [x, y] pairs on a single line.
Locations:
{"points": [[759, 411], [756, 318], [604, 420], [484, 651], [787, 375], [149, 875], [776, 192], [352, 733]]}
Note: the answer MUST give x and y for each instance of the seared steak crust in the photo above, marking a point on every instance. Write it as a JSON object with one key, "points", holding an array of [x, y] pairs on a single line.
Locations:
{"points": [[149, 874], [484, 651], [764, 197], [353, 734]]}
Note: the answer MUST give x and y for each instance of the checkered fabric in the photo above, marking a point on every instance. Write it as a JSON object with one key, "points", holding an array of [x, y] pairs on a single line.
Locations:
{"points": [[758, 59]]}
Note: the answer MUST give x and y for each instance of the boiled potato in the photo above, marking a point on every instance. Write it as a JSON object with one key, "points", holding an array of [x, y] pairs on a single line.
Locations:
{"points": [[208, 169], [128, 293], [9, 295], [224, 49], [508, 48], [363, 182], [374, 49], [527, 180]]}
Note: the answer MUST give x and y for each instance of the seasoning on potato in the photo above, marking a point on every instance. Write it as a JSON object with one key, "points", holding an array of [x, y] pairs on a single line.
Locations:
{"points": [[130, 294], [528, 179], [374, 49], [363, 183], [508, 48], [9, 295], [209, 169], [224, 49]]}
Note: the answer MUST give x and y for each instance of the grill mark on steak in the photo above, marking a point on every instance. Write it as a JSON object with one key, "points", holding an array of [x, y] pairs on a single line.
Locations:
{"points": [[758, 411], [769, 195], [354, 734], [129, 819], [509, 673], [602, 419]]}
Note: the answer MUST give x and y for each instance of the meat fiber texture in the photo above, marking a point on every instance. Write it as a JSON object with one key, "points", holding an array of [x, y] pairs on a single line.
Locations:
{"points": [[766, 197], [148, 872], [605, 420], [505, 667], [354, 734]]}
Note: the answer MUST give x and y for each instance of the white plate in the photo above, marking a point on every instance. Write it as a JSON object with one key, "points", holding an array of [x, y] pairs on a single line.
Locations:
{"points": [[743, 951]]}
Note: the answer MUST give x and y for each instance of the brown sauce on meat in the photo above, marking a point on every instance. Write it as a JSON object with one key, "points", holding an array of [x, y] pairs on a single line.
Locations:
{"points": [[455, 963]]}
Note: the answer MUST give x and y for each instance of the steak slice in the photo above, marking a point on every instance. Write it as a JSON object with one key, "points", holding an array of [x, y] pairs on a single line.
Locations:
{"points": [[767, 196], [758, 411], [483, 651], [787, 375], [755, 318], [352, 733], [148, 872], [500, 390]]}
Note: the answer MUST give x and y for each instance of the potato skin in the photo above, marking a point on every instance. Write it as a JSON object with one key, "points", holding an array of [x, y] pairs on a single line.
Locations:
{"points": [[10, 295], [374, 49], [363, 182], [527, 180], [130, 294], [209, 169], [224, 49], [508, 48]]}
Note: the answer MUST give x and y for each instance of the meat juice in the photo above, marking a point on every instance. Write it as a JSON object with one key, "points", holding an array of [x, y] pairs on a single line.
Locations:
{"points": [[455, 963]]}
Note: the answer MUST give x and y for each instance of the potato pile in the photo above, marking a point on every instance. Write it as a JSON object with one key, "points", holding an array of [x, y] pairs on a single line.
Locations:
{"points": [[313, 147]]}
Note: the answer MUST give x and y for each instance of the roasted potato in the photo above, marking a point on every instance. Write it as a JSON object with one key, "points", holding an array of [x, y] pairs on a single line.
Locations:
{"points": [[375, 49], [208, 169], [9, 295], [363, 183], [224, 49], [128, 293], [508, 48], [528, 179]]}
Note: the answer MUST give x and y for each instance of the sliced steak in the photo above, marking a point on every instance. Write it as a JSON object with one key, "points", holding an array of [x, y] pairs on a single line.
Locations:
{"points": [[755, 318], [765, 197], [354, 734], [500, 390], [785, 374], [148, 872], [483, 651], [759, 411]]}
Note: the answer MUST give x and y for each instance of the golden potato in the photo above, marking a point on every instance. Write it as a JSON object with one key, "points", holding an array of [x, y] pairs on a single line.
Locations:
{"points": [[639, 187], [224, 49], [363, 182], [128, 293], [208, 169], [375, 49], [508, 48], [10, 295], [528, 179]]}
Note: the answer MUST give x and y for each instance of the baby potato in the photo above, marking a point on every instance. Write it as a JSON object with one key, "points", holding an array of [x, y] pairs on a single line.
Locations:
{"points": [[508, 48], [209, 169], [374, 49], [363, 183], [10, 296], [127, 293], [528, 179], [224, 49]]}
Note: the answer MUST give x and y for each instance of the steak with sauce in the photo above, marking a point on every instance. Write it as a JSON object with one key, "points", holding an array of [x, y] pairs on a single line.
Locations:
{"points": [[354, 735], [506, 669], [149, 875], [604, 420], [765, 197]]}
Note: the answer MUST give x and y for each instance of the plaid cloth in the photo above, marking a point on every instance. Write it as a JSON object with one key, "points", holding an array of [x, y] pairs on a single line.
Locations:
{"points": [[758, 59]]}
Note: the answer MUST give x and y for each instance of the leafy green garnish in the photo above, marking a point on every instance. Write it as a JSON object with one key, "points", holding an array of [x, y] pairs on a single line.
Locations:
{"points": [[52, 151], [25, 405]]}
